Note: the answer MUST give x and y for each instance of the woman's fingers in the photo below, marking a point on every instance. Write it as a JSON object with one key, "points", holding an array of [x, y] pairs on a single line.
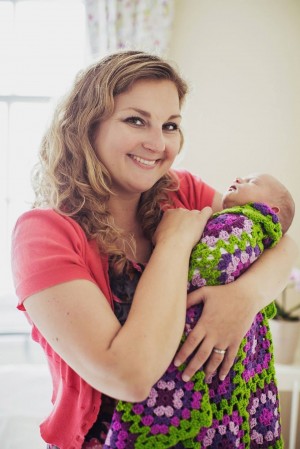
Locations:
{"points": [[189, 346], [217, 328], [220, 362], [198, 360], [214, 359], [209, 357], [185, 226], [228, 361], [194, 298]]}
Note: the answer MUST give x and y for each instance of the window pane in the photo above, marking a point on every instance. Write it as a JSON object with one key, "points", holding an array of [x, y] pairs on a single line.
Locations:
{"points": [[6, 46], [50, 45], [26, 126]]}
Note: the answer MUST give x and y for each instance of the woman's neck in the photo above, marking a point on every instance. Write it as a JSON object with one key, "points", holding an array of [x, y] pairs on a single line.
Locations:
{"points": [[124, 212]]}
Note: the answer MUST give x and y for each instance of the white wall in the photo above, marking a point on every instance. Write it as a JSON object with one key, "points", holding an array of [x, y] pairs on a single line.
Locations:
{"points": [[242, 62]]}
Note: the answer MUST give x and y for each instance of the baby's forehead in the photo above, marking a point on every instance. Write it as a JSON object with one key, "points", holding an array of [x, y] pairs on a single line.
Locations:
{"points": [[253, 177], [263, 177]]}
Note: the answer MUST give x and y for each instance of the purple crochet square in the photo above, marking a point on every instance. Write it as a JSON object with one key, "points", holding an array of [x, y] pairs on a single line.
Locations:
{"points": [[258, 355], [225, 433], [263, 408]]}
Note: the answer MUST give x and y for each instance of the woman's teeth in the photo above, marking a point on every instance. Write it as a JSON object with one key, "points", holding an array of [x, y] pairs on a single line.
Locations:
{"points": [[142, 161]]}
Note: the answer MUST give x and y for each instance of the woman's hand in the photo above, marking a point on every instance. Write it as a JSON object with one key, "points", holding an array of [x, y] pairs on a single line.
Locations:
{"points": [[183, 227], [226, 317], [229, 310]]}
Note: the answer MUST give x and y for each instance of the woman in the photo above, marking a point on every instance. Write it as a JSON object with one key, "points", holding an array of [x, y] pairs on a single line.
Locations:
{"points": [[101, 272]]}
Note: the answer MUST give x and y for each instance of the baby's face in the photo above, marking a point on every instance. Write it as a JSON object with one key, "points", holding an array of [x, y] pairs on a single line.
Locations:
{"points": [[253, 188]]}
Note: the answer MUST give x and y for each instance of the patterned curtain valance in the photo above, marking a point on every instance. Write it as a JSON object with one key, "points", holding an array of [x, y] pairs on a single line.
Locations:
{"points": [[129, 24]]}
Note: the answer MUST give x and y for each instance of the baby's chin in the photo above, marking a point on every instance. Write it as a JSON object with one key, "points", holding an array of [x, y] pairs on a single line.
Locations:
{"points": [[227, 201]]}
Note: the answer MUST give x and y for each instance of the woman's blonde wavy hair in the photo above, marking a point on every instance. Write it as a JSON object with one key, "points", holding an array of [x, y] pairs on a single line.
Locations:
{"points": [[70, 178]]}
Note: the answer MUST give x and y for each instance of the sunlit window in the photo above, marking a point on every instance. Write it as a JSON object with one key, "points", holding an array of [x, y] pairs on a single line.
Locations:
{"points": [[42, 47]]}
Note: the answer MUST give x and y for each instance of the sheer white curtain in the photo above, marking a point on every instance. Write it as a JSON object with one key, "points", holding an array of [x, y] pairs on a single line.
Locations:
{"points": [[129, 24]]}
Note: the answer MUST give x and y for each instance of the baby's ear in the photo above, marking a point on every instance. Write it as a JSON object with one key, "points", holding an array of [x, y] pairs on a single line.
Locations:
{"points": [[275, 209]]}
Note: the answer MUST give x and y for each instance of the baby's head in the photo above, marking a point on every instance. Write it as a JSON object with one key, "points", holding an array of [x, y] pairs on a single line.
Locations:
{"points": [[262, 188]]}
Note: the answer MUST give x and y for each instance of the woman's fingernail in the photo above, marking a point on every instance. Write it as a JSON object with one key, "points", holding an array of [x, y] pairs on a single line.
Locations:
{"points": [[177, 362], [185, 378], [222, 377], [210, 377]]}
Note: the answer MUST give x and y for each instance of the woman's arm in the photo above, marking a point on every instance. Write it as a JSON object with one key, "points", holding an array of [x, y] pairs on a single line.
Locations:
{"points": [[124, 362], [229, 309]]}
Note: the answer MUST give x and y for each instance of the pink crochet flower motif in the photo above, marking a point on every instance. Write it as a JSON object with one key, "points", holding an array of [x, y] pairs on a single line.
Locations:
{"points": [[162, 409]]}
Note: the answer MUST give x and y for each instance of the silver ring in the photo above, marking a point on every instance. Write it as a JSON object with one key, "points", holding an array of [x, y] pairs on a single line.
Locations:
{"points": [[219, 351]]}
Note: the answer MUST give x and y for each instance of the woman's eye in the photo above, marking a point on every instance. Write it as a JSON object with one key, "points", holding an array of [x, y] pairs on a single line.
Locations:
{"points": [[137, 121], [171, 126]]}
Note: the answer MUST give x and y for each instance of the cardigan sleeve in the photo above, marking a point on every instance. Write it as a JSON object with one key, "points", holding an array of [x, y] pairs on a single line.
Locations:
{"points": [[47, 249]]}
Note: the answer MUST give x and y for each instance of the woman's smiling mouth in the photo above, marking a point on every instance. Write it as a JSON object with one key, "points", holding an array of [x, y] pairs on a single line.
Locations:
{"points": [[148, 163]]}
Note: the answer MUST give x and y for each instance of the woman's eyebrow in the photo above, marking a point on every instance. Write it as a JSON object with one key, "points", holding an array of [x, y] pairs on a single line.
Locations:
{"points": [[148, 115]]}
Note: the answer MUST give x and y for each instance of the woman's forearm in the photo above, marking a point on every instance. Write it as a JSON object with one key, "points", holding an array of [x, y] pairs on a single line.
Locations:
{"points": [[156, 319], [266, 278]]}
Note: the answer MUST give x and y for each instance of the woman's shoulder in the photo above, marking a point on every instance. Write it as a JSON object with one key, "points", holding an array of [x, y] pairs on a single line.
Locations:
{"points": [[49, 248], [45, 227], [45, 220], [44, 214]]}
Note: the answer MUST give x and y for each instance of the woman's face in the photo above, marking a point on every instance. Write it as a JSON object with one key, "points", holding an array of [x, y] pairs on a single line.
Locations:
{"points": [[139, 142]]}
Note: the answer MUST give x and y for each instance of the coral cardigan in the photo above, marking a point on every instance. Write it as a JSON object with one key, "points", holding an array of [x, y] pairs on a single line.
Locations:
{"points": [[48, 249]]}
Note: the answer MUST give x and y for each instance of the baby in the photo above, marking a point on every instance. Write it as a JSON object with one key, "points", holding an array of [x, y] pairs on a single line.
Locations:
{"points": [[258, 210], [256, 192], [262, 188]]}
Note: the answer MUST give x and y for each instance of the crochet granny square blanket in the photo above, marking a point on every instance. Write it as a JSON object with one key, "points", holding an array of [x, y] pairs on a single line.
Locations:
{"points": [[243, 410]]}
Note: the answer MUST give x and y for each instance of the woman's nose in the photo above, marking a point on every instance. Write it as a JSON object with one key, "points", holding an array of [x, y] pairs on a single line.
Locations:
{"points": [[155, 140], [238, 180]]}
